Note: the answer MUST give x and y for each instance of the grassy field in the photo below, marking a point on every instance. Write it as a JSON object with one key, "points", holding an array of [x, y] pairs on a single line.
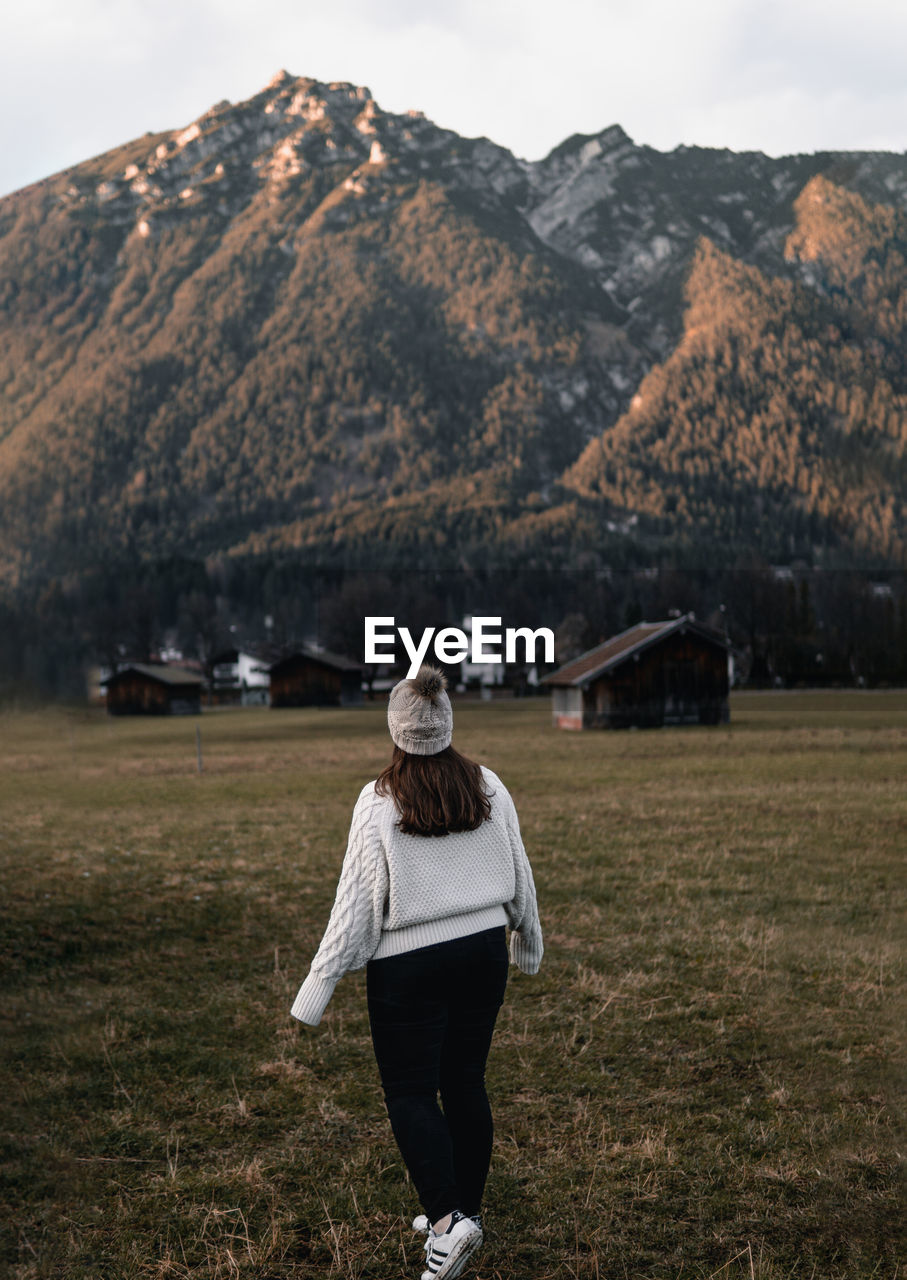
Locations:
{"points": [[701, 1082]]}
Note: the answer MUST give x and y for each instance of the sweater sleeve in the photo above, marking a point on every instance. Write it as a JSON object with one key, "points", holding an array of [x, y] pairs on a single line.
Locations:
{"points": [[354, 927], [526, 946]]}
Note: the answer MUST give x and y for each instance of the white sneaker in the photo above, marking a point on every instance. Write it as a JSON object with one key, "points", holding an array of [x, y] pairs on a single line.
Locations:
{"points": [[422, 1225], [447, 1254]]}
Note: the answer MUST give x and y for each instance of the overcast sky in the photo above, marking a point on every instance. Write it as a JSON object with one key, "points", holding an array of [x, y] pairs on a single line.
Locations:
{"points": [[80, 76]]}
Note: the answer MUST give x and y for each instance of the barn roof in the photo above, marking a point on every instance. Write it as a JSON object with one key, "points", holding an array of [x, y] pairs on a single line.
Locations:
{"points": [[326, 659], [604, 657], [159, 672]]}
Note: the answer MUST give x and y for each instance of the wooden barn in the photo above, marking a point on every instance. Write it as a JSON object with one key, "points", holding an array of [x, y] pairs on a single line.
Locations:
{"points": [[143, 689], [315, 678], [653, 674]]}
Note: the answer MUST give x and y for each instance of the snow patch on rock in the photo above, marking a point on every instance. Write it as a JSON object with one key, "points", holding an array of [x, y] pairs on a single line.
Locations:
{"points": [[188, 135], [286, 162], [365, 121], [589, 257], [307, 106]]}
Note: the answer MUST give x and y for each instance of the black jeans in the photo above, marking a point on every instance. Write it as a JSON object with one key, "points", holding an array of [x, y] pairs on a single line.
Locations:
{"points": [[432, 1014]]}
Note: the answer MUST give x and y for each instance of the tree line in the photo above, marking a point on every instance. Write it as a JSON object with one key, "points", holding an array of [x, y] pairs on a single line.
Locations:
{"points": [[787, 627]]}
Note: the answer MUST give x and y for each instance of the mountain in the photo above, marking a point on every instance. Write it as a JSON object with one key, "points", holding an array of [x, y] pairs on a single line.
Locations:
{"points": [[634, 216], [305, 326], [780, 419]]}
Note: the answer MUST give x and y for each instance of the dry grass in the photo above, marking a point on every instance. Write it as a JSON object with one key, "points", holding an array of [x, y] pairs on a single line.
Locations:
{"points": [[701, 1082]]}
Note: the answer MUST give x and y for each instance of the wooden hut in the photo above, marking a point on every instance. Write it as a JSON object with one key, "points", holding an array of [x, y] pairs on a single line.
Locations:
{"points": [[315, 678], [144, 689], [656, 673]]}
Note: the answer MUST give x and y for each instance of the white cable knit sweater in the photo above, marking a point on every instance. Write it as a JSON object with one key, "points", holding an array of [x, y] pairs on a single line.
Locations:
{"points": [[398, 892]]}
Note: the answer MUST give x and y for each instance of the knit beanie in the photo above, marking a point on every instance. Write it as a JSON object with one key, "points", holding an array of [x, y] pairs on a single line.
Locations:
{"points": [[419, 714]]}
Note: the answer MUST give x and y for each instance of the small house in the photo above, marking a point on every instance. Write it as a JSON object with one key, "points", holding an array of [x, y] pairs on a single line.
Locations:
{"points": [[240, 677], [315, 678], [653, 674], [145, 689]]}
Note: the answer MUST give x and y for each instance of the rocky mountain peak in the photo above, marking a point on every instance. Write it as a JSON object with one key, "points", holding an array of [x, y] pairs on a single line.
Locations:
{"points": [[296, 311]]}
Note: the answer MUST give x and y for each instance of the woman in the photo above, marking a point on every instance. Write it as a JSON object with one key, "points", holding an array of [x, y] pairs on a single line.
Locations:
{"points": [[435, 870]]}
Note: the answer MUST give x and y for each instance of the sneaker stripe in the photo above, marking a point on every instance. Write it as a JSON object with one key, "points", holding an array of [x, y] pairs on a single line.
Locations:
{"points": [[448, 1261]]}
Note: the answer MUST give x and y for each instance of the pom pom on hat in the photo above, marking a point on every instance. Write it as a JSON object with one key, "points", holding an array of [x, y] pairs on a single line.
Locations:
{"points": [[419, 714], [429, 682]]}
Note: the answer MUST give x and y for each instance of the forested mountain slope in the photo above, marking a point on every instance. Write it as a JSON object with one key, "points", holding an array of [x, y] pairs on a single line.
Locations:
{"points": [[305, 325], [780, 420]]}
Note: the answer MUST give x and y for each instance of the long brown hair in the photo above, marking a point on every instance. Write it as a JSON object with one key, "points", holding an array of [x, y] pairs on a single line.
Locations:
{"points": [[435, 794]]}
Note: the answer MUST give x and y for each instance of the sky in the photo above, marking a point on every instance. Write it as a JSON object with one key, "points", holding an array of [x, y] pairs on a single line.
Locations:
{"points": [[78, 77]]}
